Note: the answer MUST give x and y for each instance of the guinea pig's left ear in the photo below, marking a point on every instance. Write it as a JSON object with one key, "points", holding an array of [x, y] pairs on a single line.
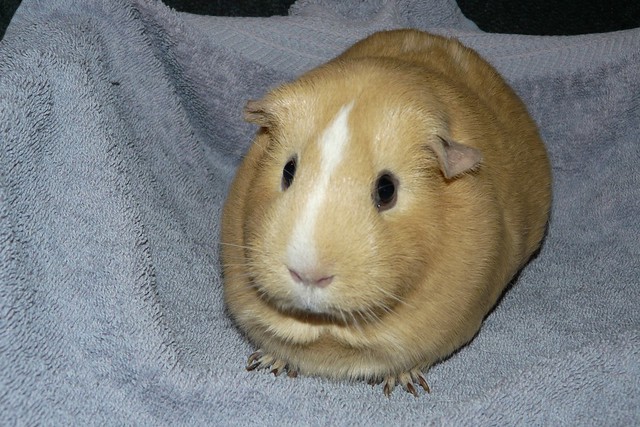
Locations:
{"points": [[259, 113], [454, 158]]}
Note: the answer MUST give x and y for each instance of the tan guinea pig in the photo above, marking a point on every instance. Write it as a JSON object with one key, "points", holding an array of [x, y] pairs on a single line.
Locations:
{"points": [[389, 197]]}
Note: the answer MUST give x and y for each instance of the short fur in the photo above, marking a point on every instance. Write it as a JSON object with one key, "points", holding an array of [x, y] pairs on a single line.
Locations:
{"points": [[413, 283]]}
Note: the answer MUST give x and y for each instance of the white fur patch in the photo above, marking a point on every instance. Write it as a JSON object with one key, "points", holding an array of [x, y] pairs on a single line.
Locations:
{"points": [[301, 250]]}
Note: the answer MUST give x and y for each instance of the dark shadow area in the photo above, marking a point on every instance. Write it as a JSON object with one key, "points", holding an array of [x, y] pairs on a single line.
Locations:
{"points": [[7, 9], [542, 17], [232, 7], [552, 17]]}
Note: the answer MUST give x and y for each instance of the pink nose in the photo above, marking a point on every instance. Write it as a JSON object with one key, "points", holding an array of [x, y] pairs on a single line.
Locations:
{"points": [[317, 279]]}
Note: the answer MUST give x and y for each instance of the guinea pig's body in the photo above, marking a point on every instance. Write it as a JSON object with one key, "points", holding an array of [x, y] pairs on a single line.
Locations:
{"points": [[388, 199]]}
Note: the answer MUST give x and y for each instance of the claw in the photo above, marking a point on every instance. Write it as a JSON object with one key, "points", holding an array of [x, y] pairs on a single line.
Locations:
{"points": [[252, 364], [252, 360], [277, 367], [406, 379], [411, 389], [389, 385], [418, 377], [259, 360], [423, 383]]}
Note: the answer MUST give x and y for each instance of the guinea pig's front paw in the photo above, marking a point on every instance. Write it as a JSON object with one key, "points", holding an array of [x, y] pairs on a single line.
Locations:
{"points": [[406, 380], [261, 360]]}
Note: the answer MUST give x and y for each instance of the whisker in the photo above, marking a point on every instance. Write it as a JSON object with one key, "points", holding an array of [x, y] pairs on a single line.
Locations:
{"points": [[355, 321], [244, 276], [242, 247], [343, 317], [372, 316], [239, 264], [395, 298]]}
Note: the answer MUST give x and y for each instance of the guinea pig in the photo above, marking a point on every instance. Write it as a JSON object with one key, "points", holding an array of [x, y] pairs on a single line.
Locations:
{"points": [[388, 199]]}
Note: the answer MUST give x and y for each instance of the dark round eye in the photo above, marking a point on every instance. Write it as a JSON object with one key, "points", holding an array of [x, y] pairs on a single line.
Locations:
{"points": [[288, 172], [385, 193]]}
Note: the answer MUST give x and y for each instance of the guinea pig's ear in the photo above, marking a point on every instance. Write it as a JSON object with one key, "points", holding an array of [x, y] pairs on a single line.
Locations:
{"points": [[455, 158], [259, 113]]}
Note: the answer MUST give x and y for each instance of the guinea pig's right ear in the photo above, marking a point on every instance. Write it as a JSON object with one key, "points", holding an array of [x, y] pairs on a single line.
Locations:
{"points": [[454, 158], [259, 112]]}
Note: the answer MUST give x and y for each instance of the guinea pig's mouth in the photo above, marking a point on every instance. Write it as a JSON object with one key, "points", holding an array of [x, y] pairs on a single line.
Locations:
{"points": [[309, 308], [311, 301], [304, 306], [328, 317]]}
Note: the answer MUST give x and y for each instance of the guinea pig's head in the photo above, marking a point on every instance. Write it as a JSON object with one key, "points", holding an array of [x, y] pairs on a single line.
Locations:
{"points": [[344, 213]]}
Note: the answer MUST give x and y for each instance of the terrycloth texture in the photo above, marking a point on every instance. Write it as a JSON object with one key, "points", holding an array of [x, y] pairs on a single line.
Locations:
{"points": [[120, 130]]}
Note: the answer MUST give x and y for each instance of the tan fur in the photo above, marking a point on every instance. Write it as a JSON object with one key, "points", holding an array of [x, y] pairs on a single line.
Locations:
{"points": [[413, 283]]}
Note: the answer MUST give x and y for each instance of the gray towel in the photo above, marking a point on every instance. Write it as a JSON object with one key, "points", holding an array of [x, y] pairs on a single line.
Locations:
{"points": [[120, 130]]}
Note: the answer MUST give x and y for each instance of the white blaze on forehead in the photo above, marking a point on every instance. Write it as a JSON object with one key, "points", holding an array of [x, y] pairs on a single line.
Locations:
{"points": [[301, 251]]}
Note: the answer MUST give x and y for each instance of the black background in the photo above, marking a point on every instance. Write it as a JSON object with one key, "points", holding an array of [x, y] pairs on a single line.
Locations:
{"points": [[542, 17]]}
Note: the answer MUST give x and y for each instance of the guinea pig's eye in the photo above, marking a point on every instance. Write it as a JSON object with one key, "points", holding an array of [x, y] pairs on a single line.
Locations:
{"points": [[288, 173], [385, 193]]}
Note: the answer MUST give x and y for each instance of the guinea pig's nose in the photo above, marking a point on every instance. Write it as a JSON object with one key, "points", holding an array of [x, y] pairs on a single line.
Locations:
{"points": [[311, 278]]}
